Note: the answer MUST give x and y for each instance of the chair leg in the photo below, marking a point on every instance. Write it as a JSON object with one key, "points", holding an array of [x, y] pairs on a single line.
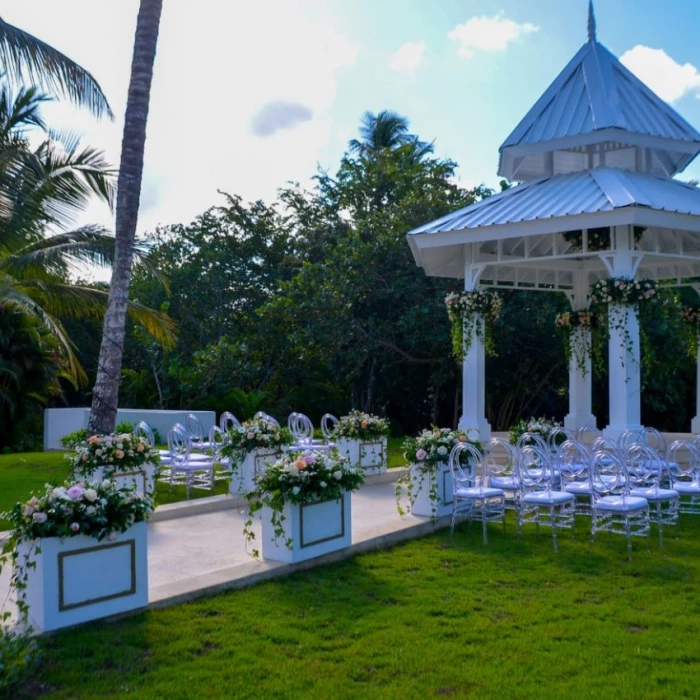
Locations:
{"points": [[629, 537], [554, 529], [452, 522], [483, 520]]}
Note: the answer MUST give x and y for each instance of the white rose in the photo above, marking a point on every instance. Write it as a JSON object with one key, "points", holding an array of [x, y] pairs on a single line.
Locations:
{"points": [[338, 475], [90, 495], [296, 490], [120, 445], [442, 450], [106, 484], [90, 510], [323, 484]]}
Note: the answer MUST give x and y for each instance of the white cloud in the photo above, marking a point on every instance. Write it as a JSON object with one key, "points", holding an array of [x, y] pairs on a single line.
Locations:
{"points": [[668, 79], [488, 34], [215, 71], [408, 57]]}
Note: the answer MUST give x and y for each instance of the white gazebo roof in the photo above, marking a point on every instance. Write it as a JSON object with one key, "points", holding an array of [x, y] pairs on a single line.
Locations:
{"points": [[597, 112]]}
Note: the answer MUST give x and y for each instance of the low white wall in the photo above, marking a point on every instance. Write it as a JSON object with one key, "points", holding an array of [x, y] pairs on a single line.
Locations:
{"points": [[61, 421]]}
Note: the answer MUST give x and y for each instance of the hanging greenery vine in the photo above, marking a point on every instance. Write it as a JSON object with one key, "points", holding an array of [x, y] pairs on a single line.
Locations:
{"points": [[619, 292], [569, 323], [691, 315], [465, 311]]}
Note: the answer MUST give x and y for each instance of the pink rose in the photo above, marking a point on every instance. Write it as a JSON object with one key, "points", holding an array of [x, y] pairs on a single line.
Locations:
{"points": [[119, 454], [40, 518], [28, 510], [421, 454], [74, 493], [75, 527], [251, 436], [139, 447]]}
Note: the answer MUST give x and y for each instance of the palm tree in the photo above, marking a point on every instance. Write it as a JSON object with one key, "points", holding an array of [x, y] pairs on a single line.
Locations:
{"points": [[24, 56], [105, 395], [387, 130], [45, 186]]}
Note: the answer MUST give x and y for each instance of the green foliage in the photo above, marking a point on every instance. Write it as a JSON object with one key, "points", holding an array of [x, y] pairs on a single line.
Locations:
{"points": [[19, 660], [72, 440], [123, 428], [361, 426]]}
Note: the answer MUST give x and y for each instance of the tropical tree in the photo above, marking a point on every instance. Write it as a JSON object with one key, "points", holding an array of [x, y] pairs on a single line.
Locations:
{"points": [[105, 396], [387, 130], [45, 186], [24, 57]]}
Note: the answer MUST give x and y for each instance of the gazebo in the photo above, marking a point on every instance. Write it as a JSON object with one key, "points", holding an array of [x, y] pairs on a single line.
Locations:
{"points": [[595, 158]]}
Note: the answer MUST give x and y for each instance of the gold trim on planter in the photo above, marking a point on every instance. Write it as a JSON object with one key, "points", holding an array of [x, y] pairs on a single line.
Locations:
{"points": [[259, 461], [381, 454], [302, 544], [62, 556]]}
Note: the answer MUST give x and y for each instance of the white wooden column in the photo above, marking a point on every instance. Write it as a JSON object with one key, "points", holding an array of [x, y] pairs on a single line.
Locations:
{"points": [[624, 360], [580, 374], [474, 366]]}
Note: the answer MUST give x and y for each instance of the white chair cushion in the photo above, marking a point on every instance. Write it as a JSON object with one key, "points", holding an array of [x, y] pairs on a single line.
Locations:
{"points": [[548, 497], [654, 494], [687, 487], [577, 487], [621, 503], [477, 492], [509, 483]]}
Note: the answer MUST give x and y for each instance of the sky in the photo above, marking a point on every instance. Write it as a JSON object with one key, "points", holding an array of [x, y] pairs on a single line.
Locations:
{"points": [[249, 95]]}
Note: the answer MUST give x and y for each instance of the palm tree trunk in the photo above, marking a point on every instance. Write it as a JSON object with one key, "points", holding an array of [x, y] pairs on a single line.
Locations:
{"points": [[105, 395]]}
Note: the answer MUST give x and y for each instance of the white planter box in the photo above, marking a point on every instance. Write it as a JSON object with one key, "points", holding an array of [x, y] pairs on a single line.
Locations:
{"points": [[368, 455], [242, 480], [314, 528], [144, 478], [422, 484], [80, 579]]}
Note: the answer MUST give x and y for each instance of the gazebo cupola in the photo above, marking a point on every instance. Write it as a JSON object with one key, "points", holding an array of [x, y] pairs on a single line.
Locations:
{"points": [[595, 113], [595, 157]]}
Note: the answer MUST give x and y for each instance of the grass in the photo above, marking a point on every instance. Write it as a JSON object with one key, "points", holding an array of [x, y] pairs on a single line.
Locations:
{"points": [[433, 617], [20, 474]]}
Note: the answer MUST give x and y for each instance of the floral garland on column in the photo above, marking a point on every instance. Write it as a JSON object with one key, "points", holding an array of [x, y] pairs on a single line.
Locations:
{"points": [[691, 315], [569, 322], [465, 310], [622, 291]]}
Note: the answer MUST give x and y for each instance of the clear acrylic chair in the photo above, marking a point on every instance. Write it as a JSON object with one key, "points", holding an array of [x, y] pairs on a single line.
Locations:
{"points": [[228, 421], [532, 440], [683, 459], [613, 509], [500, 458], [540, 502], [195, 432], [473, 498], [574, 461], [328, 423], [558, 436], [142, 429], [629, 438], [184, 468], [267, 418], [645, 469], [587, 434], [655, 440], [607, 445], [222, 465], [302, 430]]}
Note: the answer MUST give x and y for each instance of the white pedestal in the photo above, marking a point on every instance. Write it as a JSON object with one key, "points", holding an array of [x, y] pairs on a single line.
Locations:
{"points": [[368, 455], [441, 479], [314, 528], [80, 579], [473, 417], [143, 478], [243, 479]]}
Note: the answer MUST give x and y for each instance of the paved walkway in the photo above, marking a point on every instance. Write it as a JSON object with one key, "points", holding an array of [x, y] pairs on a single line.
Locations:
{"points": [[193, 555]]}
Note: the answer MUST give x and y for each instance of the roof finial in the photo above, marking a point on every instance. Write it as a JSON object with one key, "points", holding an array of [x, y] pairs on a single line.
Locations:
{"points": [[591, 22]]}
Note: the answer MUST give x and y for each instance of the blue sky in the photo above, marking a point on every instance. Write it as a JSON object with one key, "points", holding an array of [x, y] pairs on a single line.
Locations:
{"points": [[249, 95]]}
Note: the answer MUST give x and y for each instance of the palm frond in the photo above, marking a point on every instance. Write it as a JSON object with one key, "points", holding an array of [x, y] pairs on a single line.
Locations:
{"points": [[23, 55]]}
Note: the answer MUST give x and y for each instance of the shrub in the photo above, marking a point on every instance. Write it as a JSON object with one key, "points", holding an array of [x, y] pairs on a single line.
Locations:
{"points": [[19, 659], [72, 440]]}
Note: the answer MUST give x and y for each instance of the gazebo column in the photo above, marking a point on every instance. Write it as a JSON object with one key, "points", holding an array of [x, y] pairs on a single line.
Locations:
{"points": [[624, 360], [580, 373], [474, 367], [695, 423]]}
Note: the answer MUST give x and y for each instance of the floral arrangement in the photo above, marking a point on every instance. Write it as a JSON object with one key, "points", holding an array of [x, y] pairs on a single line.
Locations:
{"points": [[425, 452], [118, 452], [255, 434], [299, 477], [97, 509], [569, 322], [466, 311], [361, 426], [539, 426], [691, 315], [622, 290]]}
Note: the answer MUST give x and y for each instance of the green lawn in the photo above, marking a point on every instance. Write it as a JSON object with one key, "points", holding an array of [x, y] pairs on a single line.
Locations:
{"points": [[20, 474], [434, 617]]}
